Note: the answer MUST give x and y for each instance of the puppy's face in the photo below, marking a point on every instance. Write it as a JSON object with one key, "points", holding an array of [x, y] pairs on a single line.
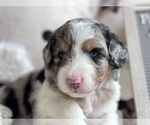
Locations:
{"points": [[80, 54]]}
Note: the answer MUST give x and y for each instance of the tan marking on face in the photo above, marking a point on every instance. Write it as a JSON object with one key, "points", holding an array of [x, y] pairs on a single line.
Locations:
{"points": [[62, 45], [64, 62], [102, 71], [54, 69], [90, 44]]}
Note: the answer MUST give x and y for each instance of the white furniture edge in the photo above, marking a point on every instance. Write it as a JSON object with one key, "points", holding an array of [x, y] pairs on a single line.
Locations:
{"points": [[136, 64]]}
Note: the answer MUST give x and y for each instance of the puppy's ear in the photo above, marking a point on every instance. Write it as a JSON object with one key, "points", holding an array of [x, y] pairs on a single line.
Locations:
{"points": [[47, 53], [118, 52], [47, 35]]}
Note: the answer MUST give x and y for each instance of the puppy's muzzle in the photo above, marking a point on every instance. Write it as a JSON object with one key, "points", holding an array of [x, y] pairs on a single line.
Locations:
{"points": [[74, 82]]}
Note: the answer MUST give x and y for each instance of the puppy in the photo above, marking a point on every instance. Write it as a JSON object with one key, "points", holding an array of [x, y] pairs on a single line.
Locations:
{"points": [[79, 80]]}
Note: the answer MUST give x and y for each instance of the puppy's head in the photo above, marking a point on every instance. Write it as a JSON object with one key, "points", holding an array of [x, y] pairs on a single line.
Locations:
{"points": [[80, 55]]}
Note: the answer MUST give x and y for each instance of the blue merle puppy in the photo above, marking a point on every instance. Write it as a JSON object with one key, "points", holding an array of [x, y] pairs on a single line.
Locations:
{"points": [[79, 80]]}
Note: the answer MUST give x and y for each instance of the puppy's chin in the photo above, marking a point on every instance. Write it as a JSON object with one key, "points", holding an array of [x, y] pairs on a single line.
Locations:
{"points": [[79, 95], [84, 90]]}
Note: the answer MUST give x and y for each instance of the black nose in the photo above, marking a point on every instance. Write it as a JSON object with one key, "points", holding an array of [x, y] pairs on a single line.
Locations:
{"points": [[74, 85]]}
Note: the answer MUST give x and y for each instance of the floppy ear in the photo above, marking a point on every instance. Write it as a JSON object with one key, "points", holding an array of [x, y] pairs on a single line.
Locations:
{"points": [[47, 52], [118, 52]]}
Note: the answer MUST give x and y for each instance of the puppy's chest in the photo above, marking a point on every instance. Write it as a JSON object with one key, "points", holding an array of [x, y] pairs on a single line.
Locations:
{"points": [[91, 108]]}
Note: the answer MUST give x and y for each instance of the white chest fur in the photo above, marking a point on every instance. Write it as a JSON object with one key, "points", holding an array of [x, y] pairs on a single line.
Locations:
{"points": [[103, 102], [51, 104]]}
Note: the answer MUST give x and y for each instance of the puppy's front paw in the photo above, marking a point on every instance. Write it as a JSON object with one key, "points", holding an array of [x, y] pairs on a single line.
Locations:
{"points": [[5, 112], [59, 122], [5, 115]]}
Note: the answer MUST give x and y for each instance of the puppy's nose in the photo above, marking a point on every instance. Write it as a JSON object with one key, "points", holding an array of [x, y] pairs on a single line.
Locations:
{"points": [[74, 82]]}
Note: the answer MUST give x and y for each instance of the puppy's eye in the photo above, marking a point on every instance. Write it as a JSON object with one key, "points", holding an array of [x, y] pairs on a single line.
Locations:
{"points": [[61, 55], [93, 54]]}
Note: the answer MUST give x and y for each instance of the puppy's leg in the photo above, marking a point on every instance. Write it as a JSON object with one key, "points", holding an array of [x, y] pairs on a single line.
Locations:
{"points": [[111, 119], [58, 122], [60, 108], [5, 115], [51, 104]]}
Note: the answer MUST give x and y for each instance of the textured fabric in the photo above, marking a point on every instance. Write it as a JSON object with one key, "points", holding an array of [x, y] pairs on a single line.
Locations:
{"points": [[14, 61]]}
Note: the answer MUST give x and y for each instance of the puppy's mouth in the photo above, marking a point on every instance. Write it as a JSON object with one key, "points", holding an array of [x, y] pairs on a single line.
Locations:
{"points": [[88, 92], [81, 93]]}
